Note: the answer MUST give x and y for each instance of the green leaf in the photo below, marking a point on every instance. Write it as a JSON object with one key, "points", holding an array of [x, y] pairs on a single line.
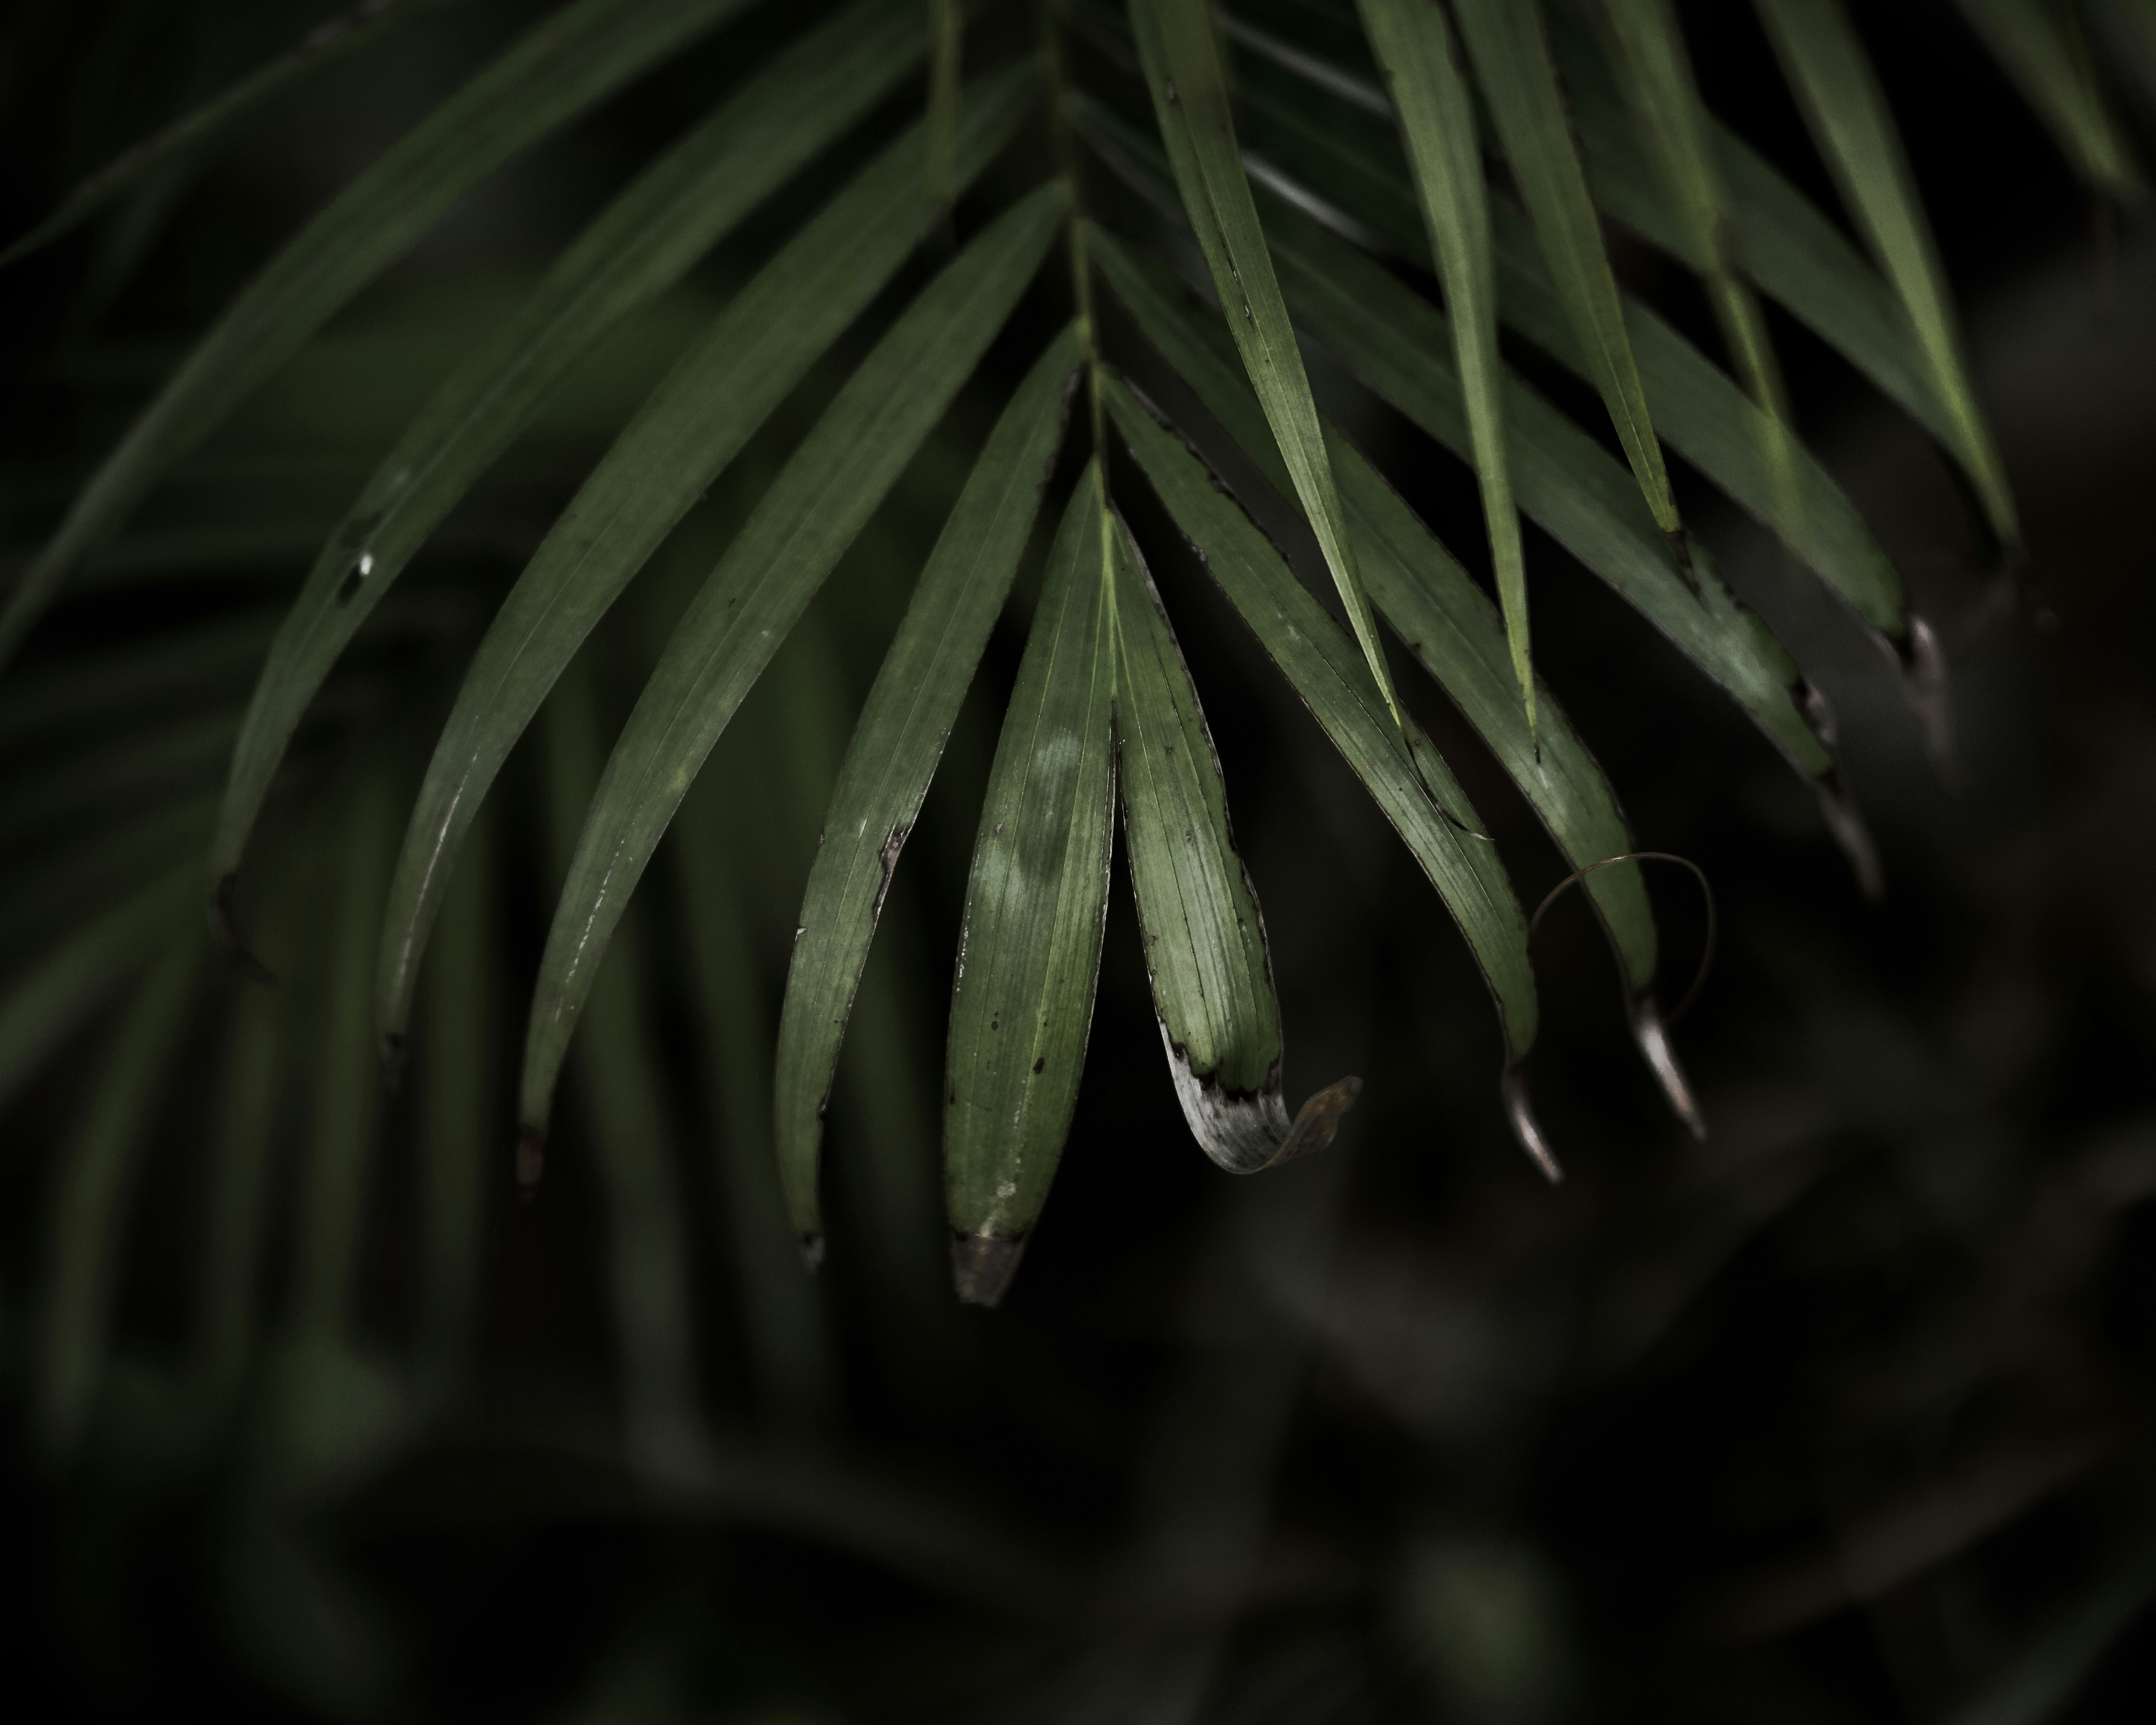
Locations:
{"points": [[1433, 604], [1415, 53], [774, 568], [645, 240], [758, 350], [1190, 101], [1505, 38], [320, 48], [88, 1214], [632, 1139], [561, 67], [1399, 345], [897, 745], [1851, 123], [1036, 906], [947, 34], [1205, 949], [45, 1007], [2042, 48], [1321, 665]]}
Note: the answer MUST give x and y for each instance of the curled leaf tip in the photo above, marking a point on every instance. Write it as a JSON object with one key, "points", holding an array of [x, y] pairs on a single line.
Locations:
{"points": [[226, 933], [530, 1160], [1527, 1130], [1922, 660], [1317, 1121], [1652, 1034], [1850, 832], [982, 1267]]}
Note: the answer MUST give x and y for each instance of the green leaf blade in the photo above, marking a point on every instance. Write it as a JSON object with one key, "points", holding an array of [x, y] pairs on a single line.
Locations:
{"points": [[645, 240], [1189, 88], [693, 425], [1851, 123], [897, 743], [1036, 906], [559, 67], [1325, 672], [774, 568], [1511, 52], [2043, 50], [1415, 54]]}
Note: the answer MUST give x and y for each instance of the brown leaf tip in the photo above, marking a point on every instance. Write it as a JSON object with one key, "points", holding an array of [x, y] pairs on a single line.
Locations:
{"points": [[982, 1267]]}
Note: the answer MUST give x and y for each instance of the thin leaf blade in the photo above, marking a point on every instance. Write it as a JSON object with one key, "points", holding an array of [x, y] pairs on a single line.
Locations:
{"points": [[897, 743], [774, 568]]}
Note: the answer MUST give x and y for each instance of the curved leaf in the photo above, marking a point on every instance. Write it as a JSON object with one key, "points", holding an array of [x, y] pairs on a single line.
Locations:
{"points": [[1319, 661], [758, 349], [559, 67], [645, 240], [1504, 38], [897, 743], [1433, 604], [1205, 950], [1851, 123], [1415, 54], [1036, 908], [1189, 90], [774, 568], [319, 50]]}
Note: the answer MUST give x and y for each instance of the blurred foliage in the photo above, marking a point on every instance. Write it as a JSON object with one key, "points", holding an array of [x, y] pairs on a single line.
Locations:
{"points": [[1841, 1414]]}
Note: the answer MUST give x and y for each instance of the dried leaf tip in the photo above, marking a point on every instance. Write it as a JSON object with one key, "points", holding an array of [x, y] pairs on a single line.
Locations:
{"points": [[1527, 1130], [1652, 1034], [981, 1267]]}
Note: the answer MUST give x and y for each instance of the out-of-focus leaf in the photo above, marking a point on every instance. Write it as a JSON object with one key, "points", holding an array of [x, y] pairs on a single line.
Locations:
{"points": [[89, 1207], [1851, 123], [948, 42], [1415, 52], [319, 50], [897, 743], [1434, 605], [195, 665], [561, 67], [1446, 836], [458, 1090], [774, 568], [757, 350], [45, 1006], [632, 1139], [641, 246], [342, 1140], [1036, 906], [1205, 950], [2041, 48], [1506, 40], [1182, 63]]}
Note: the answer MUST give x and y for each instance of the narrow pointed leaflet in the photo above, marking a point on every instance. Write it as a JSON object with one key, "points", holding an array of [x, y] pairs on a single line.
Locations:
{"points": [[1190, 101], [643, 243], [561, 66], [1205, 950], [1506, 40], [801, 526], [1433, 604], [1415, 53], [2043, 49], [695, 423], [897, 745], [1852, 125], [1320, 662], [1036, 905]]}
